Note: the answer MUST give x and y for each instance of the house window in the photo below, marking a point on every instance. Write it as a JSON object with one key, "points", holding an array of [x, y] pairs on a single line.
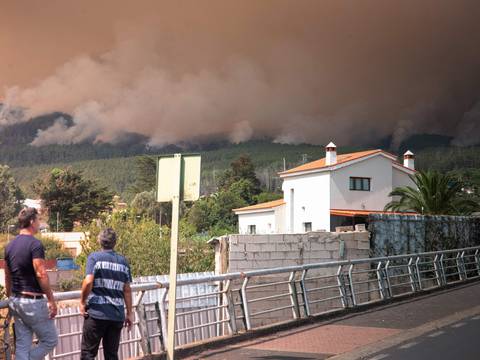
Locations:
{"points": [[360, 184], [252, 229], [307, 226]]}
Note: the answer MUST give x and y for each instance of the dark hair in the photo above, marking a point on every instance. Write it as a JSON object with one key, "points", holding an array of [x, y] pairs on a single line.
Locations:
{"points": [[26, 216], [107, 238]]}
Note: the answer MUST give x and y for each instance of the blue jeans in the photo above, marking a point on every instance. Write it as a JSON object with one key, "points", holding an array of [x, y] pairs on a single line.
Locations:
{"points": [[31, 317]]}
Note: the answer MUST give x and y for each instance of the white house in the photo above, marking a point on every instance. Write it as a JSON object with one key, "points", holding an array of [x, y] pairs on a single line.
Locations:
{"points": [[329, 192]]}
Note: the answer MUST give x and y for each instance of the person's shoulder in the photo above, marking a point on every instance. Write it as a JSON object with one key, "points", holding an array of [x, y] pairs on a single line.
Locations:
{"points": [[122, 258], [94, 255]]}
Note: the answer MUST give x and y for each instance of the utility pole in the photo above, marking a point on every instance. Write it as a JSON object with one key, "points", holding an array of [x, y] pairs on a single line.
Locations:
{"points": [[58, 219]]}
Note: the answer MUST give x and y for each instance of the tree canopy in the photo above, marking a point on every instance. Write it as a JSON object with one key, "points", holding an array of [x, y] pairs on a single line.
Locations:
{"points": [[435, 194], [74, 198], [10, 196]]}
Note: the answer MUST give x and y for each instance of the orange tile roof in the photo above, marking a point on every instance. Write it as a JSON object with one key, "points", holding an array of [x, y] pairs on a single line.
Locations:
{"points": [[351, 213], [341, 159], [262, 206]]}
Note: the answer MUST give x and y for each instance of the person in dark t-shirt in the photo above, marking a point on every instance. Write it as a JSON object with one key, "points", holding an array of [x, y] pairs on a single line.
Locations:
{"points": [[105, 295], [26, 285]]}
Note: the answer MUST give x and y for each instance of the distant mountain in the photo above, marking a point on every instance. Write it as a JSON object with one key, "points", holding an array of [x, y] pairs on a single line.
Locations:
{"points": [[15, 148], [420, 142]]}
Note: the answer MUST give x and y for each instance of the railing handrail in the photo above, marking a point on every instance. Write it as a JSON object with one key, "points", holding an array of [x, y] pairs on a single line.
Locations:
{"points": [[73, 295]]}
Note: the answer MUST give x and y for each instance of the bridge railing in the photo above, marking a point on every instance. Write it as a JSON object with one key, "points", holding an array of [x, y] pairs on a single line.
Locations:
{"points": [[242, 301]]}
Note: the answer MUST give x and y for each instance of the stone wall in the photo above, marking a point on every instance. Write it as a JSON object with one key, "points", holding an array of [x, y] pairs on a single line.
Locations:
{"points": [[404, 234]]}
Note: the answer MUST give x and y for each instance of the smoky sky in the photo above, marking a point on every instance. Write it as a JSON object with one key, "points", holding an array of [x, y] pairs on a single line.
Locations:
{"points": [[292, 70]]}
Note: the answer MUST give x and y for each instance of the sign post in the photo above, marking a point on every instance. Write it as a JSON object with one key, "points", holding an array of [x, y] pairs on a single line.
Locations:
{"points": [[178, 178]]}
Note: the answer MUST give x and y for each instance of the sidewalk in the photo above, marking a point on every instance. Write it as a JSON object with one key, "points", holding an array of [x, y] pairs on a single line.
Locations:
{"points": [[352, 331]]}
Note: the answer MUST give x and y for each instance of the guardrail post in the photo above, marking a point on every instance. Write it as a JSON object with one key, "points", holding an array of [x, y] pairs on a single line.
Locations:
{"points": [[442, 270], [228, 298], [477, 259], [380, 278], [387, 277], [460, 260], [411, 273], [292, 289], [306, 304], [342, 287], [352, 290], [438, 269], [142, 324], [246, 311], [163, 315], [159, 325], [419, 274]]}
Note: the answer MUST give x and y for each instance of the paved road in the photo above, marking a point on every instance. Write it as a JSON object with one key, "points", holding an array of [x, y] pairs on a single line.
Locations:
{"points": [[457, 341], [379, 333]]}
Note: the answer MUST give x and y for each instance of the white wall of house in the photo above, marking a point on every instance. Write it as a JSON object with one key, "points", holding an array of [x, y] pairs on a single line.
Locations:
{"points": [[264, 222], [280, 220], [307, 200], [378, 169], [72, 241], [400, 178]]}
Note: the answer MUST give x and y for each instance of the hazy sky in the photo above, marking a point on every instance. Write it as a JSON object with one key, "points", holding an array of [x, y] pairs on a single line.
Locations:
{"points": [[294, 70]]}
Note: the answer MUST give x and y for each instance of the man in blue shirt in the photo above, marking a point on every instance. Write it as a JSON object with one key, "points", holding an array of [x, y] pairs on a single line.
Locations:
{"points": [[26, 285], [105, 294]]}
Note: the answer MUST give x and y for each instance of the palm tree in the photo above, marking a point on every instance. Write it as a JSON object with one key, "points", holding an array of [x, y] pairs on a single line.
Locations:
{"points": [[435, 194]]}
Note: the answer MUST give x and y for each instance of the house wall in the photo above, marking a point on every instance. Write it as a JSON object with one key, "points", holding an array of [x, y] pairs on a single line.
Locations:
{"points": [[264, 222], [310, 202], [400, 178], [71, 241], [378, 169]]}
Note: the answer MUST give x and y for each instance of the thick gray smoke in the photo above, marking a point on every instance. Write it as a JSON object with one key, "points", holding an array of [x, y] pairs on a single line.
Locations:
{"points": [[296, 71]]}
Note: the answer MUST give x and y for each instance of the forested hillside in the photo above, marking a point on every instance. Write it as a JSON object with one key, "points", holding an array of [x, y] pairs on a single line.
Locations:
{"points": [[114, 165]]}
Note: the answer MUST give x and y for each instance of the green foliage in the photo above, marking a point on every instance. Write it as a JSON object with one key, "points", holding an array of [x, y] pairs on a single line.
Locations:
{"points": [[145, 171], [73, 197], [74, 283], [436, 194], [53, 248], [267, 196], [147, 246], [145, 204], [9, 197]]}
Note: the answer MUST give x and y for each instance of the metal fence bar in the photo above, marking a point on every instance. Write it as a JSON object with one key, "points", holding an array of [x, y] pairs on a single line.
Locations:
{"points": [[306, 303], [212, 312], [246, 312]]}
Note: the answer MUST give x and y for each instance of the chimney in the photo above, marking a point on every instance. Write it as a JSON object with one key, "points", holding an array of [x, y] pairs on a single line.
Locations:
{"points": [[409, 160], [331, 154]]}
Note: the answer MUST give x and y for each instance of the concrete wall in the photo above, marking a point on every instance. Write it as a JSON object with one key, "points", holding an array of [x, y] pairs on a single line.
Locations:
{"points": [[249, 252], [240, 253], [310, 202], [378, 169]]}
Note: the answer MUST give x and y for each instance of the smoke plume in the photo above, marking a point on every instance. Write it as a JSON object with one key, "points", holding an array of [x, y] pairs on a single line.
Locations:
{"points": [[296, 71]]}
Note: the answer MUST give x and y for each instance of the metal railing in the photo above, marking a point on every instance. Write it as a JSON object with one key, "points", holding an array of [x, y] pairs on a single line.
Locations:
{"points": [[243, 301]]}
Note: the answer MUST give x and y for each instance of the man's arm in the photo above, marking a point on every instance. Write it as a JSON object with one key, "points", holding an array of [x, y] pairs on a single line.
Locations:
{"points": [[127, 296], [42, 278], [87, 286], [8, 281]]}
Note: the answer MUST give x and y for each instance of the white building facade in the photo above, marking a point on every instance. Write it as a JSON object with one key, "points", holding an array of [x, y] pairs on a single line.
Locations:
{"points": [[316, 192]]}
